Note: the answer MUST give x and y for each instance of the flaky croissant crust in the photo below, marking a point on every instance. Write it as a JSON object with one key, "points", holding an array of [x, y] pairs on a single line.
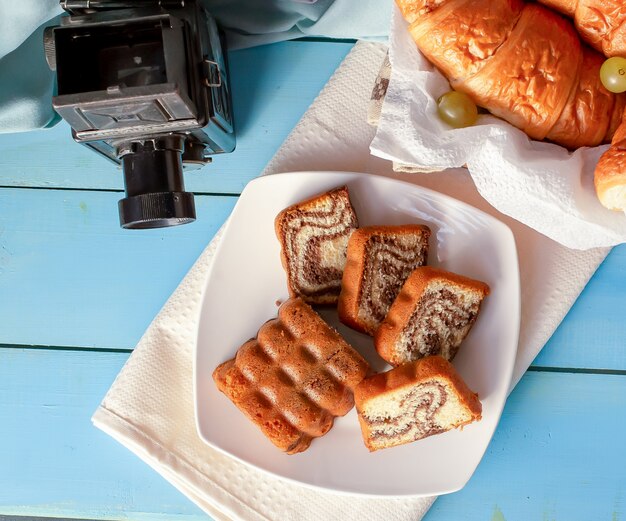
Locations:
{"points": [[526, 64], [521, 61]]}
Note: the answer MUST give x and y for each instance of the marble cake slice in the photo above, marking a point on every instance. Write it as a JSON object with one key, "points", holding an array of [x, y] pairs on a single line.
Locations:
{"points": [[379, 260], [413, 401], [294, 378], [314, 236], [432, 314]]}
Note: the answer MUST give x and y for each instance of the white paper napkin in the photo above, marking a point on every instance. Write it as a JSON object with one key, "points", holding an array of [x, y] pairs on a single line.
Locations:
{"points": [[540, 184], [149, 408]]}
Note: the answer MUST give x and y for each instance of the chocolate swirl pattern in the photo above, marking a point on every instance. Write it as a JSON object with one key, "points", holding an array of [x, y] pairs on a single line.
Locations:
{"points": [[380, 258], [294, 378], [432, 314], [391, 261], [413, 401], [314, 236], [415, 417], [440, 322]]}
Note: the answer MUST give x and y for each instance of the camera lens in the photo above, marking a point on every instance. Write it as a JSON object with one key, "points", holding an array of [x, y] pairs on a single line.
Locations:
{"points": [[155, 191]]}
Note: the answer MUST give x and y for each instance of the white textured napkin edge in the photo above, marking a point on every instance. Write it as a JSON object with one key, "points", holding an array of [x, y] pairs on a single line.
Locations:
{"points": [[216, 501], [204, 492], [336, 121], [540, 184], [156, 456]]}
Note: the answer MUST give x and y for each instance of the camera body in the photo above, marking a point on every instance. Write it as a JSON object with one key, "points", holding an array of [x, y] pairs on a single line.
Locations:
{"points": [[145, 84]]}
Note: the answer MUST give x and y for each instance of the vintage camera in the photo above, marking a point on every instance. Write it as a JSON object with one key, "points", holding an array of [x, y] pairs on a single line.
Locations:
{"points": [[145, 84]]}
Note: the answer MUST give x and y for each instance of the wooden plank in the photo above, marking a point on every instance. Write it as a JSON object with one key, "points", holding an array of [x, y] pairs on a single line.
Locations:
{"points": [[557, 453], [31, 518], [54, 462], [70, 276], [593, 334], [134, 516], [272, 87]]}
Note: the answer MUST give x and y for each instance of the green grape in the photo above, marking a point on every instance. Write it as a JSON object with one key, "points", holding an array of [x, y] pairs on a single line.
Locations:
{"points": [[613, 74], [457, 109]]}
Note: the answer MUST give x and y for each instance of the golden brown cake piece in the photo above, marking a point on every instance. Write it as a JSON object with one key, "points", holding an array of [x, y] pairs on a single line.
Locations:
{"points": [[313, 236], [413, 401], [380, 258], [294, 378], [432, 314]]}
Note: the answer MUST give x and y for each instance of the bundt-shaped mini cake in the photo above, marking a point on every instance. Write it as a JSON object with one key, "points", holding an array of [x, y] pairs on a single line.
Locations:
{"points": [[294, 378]]}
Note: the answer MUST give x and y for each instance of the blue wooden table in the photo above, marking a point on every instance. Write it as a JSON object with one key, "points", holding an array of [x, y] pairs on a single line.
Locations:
{"points": [[77, 292]]}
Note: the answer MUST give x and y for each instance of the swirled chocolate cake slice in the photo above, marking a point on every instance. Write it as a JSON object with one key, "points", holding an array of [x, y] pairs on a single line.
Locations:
{"points": [[413, 401], [294, 378], [314, 235], [432, 314], [379, 260]]}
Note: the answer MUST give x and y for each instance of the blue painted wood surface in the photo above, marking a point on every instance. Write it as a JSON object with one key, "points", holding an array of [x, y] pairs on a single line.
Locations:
{"points": [[558, 453], [64, 259], [53, 462], [70, 277], [593, 334]]}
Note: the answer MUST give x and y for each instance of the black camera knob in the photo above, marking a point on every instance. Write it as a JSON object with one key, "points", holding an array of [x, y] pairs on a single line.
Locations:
{"points": [[153, 175], [157, 210]]}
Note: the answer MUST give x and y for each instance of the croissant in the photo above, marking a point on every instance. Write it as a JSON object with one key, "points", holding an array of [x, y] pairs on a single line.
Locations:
{"points": [[601, 23], [610, 173], [523, 62]]}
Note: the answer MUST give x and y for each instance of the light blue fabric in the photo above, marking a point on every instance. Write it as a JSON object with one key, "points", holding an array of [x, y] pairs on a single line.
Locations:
{"points": [[26, 83], [257, 22]]}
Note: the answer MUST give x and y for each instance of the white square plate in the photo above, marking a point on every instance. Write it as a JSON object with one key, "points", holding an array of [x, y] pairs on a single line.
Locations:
{"points": [[246, 281]]}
